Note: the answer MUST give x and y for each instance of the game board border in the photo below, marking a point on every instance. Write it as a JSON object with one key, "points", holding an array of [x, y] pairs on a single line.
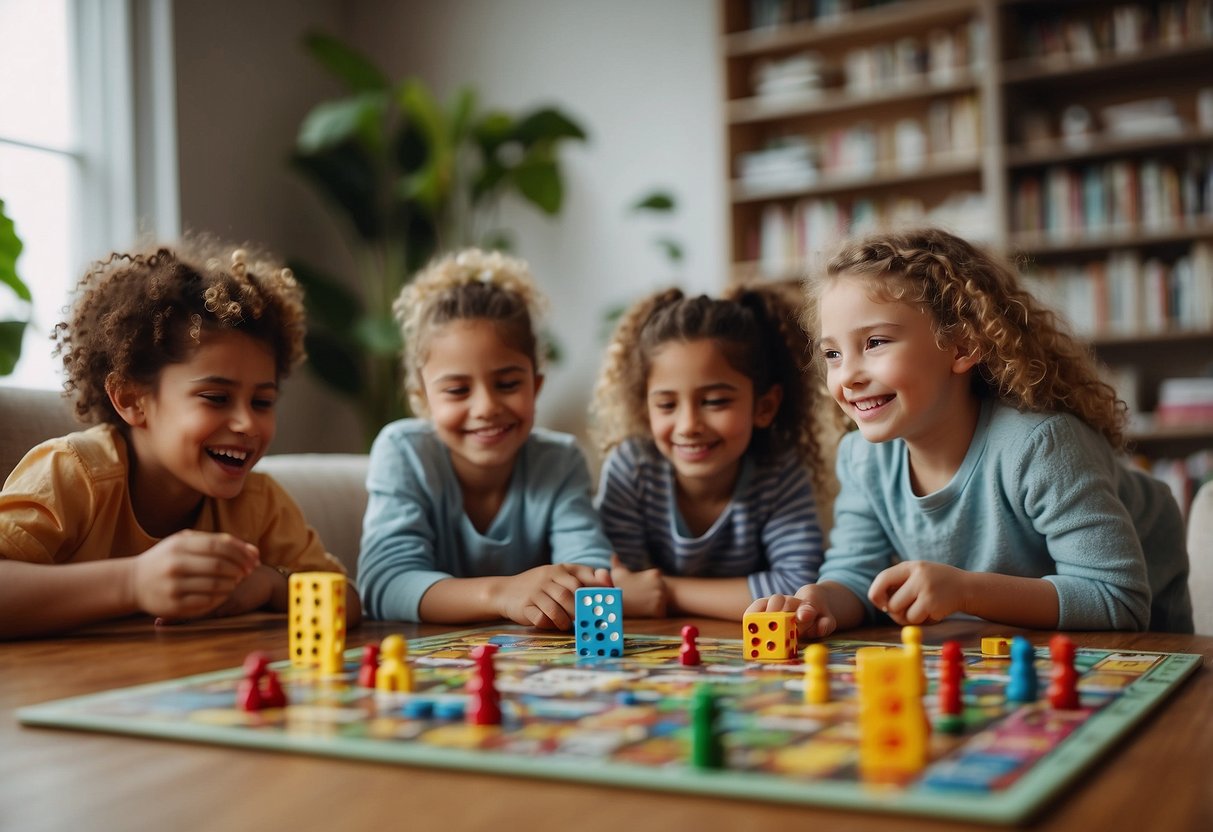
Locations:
{"points": [[1030, 794]]}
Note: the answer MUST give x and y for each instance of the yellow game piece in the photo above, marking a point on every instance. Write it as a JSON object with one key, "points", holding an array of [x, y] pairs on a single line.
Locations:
{"points": [[769, 636], [394, 675], [816, 675], [911, 640], [892, 720], [317, 621], [996, 646]]}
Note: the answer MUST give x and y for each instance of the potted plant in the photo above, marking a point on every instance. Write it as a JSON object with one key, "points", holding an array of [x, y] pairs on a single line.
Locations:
{"points": [[11, 331], [408, 177]]}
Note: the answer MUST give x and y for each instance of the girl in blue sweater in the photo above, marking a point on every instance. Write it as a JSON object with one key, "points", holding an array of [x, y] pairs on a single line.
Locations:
{"points": [[985, 476]]}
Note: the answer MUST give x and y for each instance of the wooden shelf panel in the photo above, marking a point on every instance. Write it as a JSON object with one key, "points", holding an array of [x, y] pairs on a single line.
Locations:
{"points": [[1038, 245], [1176, 337], [770, 108], [864, 25], [1071, 70], [1173, 433], [1105, 146]]}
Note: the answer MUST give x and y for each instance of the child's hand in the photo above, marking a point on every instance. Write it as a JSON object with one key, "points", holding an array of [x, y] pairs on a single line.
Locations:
{"points": [[811, 605], [543, 596], [190, 573], [253, 593], [644, 592], [919, 591]]}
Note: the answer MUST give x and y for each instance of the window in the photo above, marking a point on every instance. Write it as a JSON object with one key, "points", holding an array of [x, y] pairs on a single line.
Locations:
{"points": [[87, 152]]}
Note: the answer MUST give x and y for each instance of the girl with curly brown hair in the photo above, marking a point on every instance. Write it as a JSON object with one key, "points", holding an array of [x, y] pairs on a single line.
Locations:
{"points": [[706, 416], [176, 354], [984, 477]]}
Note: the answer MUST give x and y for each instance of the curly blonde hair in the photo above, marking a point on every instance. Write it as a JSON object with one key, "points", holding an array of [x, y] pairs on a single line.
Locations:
{"points": [[467, 285], [1026, 355], [135, 313], [756, 327]]}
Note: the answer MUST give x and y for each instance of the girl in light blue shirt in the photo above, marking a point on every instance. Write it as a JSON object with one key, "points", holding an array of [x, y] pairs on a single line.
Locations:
{"points": [[985, 477], [474, 514]]}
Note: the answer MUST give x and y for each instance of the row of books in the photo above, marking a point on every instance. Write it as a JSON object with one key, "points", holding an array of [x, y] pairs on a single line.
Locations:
{"points": [[803, 235], [766, 14], [1096, 30], [951, 131], [1147, 194], [940, 58], [1125, 294]]}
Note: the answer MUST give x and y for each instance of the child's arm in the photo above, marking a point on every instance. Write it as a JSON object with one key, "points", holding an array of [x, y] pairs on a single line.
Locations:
{"points": [[820, 608], [645, 592], [712, 597], [185, 575], [923, 592], [540, 597]]}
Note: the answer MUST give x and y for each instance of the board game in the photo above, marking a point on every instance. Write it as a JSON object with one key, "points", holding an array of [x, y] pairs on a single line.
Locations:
{"points": [[625, 721]]}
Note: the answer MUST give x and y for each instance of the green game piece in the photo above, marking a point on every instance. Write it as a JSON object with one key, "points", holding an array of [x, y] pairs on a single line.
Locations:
{"points": [[707, 750]]}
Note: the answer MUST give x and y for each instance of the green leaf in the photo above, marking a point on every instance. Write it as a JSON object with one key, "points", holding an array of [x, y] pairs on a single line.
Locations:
{"points": [[10, 249], [493, 130], [11, 333], [334, 362], [329, 302], [348, 178], [346, 63], [539, 181], [379, 335], [672, 248], [662, 201], [334, 123], [462, 109], [547, 124]]}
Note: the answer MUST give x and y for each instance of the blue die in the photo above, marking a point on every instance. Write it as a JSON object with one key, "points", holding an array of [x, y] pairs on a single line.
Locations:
{"points": [[598, 625]]}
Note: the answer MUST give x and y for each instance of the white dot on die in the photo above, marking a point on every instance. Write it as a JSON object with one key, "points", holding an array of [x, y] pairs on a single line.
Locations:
{"points": [[598, 598], [611, 617], [610, 599], [614, 636], [598, 610], [588, 600]]}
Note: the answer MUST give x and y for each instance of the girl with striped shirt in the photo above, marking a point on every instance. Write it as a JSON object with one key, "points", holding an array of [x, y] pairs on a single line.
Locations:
{"points": [[705, 414]]}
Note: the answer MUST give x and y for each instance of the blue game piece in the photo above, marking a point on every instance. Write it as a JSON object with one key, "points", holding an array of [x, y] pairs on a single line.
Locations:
{"points": [[418, 708], [626, 698], [1023, 685], [598, 625], [452, 709]]}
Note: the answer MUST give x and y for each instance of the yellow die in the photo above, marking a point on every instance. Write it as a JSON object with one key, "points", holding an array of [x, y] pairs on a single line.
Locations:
{"points": [[769, 636]]}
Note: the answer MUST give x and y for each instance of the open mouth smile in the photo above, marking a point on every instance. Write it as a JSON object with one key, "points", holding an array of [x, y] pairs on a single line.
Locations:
{"points": [[871, 404], [230, 458]]}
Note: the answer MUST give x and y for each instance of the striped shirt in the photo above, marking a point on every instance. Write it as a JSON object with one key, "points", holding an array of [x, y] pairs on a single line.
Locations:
{"points": [[768, 532]]}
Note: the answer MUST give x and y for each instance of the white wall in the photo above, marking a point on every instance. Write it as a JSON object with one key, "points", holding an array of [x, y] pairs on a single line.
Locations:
{"points": [[642, 77], [244, 83]]}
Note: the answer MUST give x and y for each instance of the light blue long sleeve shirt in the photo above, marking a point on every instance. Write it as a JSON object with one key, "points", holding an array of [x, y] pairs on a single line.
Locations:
{"points": [[416, 533], [768, 533], [1038, 495]]}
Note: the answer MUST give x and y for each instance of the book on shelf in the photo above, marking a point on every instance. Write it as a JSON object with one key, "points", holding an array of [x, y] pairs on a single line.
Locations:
{"points": [[1124, 294]]}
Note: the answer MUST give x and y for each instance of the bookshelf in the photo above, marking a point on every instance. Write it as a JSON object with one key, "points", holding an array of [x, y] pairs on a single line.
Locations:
{"points": [[1076, 137]]}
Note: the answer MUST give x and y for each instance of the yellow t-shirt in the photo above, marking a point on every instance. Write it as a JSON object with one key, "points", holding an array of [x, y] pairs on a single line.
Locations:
{"points": [[68, 501]]}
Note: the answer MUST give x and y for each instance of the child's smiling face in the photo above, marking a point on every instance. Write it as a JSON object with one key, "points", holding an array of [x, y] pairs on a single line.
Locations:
{"points": [[480, 392], [208, 420], [702, 412], [884, 366]]}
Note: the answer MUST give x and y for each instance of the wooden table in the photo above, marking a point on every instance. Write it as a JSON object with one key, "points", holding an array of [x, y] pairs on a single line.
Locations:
{"points": [[1160, 777]]}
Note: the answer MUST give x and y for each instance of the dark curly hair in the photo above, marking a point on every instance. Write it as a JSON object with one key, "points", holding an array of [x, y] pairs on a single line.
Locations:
{"points": [[1028, 358], [135, 313]]}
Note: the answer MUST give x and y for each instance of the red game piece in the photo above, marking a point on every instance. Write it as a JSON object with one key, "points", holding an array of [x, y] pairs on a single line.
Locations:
{"points": [[272, 694], [1063, 685], [248, 692], [951, 679], [369, 666], [688, 653], [484, 708]]}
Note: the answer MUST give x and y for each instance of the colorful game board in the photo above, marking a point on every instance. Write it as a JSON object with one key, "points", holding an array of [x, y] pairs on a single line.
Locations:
{"points": [[625, 721]]}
